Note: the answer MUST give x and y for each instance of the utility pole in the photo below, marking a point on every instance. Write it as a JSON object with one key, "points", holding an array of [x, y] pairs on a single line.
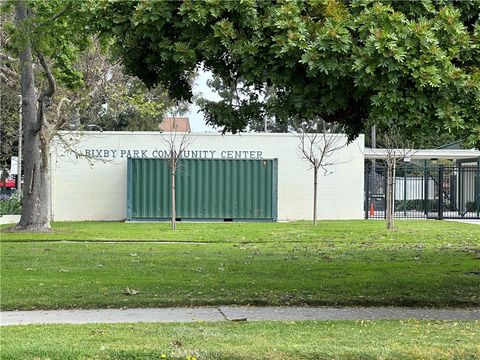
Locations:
{"points": [[20, 140]]}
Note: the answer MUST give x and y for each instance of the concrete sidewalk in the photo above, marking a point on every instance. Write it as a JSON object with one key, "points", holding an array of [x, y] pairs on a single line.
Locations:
{"points": [[232, 313], [466, 221]]}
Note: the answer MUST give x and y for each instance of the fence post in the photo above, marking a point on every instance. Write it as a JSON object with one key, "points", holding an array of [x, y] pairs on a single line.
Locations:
{"points": [[385, 190], [440, 192], [476, 195], [461, 207], [453, 189], [367, 191], [405, 189], [425, 193]]}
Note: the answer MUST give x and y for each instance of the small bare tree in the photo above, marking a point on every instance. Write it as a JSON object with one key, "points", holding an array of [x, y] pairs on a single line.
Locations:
{"points": [[177, 142], [390, 170], [395, 150], [317, 147]]}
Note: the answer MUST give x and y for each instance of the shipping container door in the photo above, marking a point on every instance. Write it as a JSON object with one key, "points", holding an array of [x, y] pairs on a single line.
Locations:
{"points": [[206, 189]]}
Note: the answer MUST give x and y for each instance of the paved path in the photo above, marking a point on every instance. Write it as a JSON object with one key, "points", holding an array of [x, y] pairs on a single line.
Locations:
{"points": [[232, 313], [466, 221]]}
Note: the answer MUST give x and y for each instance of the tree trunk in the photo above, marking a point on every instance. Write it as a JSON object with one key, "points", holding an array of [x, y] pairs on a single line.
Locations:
{"points": [[394, 184], [390, 194], [174, 210], [315, 181], [75, 119], [36, 191]]}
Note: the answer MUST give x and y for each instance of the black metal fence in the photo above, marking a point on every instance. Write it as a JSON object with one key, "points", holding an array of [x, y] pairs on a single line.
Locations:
{"points": [[425, 192]]}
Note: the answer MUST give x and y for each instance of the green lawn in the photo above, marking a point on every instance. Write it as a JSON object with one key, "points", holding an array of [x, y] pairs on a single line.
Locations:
{"points": [[356, 231], [360, 340], [350, 263]]}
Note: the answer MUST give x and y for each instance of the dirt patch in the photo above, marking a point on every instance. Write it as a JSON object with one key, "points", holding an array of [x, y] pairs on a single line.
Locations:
{"points": [[28, 229]]}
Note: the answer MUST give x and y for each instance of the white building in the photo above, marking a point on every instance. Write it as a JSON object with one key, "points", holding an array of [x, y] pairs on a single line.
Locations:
{"points": [[89, 176]]}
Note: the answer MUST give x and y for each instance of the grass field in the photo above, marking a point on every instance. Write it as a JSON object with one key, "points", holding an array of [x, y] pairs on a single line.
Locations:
{"points": [[422, 263], [253, 340], [341, 232]]}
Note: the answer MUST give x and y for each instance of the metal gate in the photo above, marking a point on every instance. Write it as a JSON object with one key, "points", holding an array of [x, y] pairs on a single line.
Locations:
{"points": [[425, 192]]}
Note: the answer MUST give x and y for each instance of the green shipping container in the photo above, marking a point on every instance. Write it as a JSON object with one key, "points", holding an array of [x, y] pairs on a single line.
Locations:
{"points": [[206, 189]]}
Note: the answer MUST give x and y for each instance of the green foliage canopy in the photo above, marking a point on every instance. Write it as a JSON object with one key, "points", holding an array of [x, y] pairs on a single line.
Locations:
{"points": [[61, 31], [413, 65]]}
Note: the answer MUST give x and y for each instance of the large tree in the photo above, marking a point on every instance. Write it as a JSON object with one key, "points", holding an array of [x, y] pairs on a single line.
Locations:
{"points": [[48, 36], [412, 64], [66, 81]]}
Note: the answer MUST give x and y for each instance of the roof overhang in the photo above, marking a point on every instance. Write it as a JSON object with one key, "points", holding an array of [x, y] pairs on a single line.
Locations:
{"points": [[423, 154]]}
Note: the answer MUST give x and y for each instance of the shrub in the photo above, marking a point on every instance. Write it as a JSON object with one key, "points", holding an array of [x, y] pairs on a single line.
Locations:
{"points": [[10, 205], [416, 204], [471, 206]]}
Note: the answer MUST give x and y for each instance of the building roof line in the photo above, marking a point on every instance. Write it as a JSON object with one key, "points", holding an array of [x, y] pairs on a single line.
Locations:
{"points": [[423, 154]]}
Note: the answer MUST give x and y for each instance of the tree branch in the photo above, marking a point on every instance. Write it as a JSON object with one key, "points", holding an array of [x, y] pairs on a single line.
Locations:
{"points": [[79, 155], [317, 148], [60, 120], [61, 13], [8, 72], [46, 94], [5, 57], [52, 85]]}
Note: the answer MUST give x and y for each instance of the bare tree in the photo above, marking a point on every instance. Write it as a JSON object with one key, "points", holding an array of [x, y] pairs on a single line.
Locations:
{"points": [[177, 142], [317, 147], [395, 150], [390, 162]]}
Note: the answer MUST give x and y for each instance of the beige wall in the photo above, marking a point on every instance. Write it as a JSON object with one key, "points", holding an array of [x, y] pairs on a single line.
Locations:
{"points": [[95, 188]]}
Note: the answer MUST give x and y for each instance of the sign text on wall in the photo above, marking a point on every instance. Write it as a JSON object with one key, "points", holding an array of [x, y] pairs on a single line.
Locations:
{"points": [[186, 154]]}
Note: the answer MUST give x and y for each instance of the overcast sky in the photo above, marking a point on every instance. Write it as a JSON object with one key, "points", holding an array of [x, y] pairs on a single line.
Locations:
{"points": [[201, 89]]}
